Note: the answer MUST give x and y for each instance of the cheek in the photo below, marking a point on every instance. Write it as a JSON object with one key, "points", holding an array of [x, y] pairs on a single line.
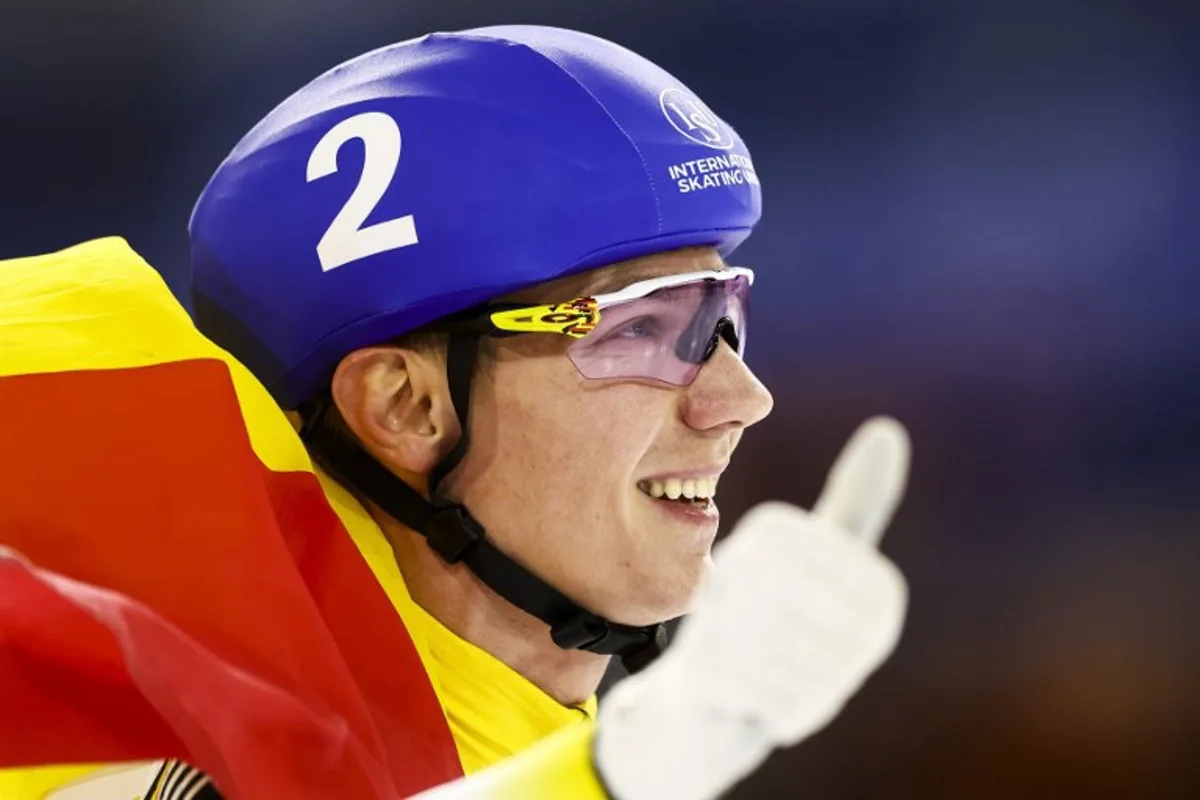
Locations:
{"points": [[550, 473], [547, 444]]}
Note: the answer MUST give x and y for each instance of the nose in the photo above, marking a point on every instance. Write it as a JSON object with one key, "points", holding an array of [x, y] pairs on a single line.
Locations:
{"points": [[726, 395]]}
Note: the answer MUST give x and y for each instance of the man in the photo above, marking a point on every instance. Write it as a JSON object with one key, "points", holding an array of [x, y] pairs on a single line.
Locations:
{"points": [[485, 272]]}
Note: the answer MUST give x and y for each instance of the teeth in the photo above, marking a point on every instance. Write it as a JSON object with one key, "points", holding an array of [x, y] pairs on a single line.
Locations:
{"points": [[675, 488]]}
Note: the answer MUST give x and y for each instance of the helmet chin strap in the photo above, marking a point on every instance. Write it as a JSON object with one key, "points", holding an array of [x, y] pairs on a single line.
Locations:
{"points": [[457, 537]]}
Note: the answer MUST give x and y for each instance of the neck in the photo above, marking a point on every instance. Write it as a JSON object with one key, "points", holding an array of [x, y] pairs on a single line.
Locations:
{"points": [[456, 598]]}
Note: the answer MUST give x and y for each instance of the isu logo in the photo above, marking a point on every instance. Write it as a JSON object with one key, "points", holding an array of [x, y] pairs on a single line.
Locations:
{"points": [[694, 120]]}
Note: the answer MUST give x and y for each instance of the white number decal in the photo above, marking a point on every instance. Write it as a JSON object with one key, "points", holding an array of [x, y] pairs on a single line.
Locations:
{"points": [[347, 240]]}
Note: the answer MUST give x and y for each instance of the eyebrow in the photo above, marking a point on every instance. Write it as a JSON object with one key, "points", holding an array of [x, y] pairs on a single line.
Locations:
{"points": [[611, 281], [615, 281]]}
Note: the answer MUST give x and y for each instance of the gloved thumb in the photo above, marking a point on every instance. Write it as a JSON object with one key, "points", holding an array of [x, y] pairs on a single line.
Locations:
{"points": [[867, 481]]}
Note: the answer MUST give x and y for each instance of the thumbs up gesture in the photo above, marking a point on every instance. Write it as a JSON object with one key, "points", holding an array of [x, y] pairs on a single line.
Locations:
{"points": [[802, 609]]}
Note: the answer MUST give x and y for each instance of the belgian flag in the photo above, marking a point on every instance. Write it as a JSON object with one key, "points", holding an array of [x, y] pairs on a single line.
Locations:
{"points": [[173, 580]]}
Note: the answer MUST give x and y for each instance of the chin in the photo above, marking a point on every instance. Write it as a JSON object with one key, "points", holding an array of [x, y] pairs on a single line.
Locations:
{"points": [[702, 575], [664, 594]]}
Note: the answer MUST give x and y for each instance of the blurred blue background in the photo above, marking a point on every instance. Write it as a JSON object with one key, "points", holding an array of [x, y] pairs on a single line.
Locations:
{"points": [[980, 217]]}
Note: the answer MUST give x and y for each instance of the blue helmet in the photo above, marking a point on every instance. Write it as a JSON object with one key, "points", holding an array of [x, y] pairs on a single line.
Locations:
{"points": [[432, 175]]}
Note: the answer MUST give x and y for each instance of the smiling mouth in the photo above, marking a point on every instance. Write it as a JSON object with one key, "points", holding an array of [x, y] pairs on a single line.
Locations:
{"points": [[690, 491]]}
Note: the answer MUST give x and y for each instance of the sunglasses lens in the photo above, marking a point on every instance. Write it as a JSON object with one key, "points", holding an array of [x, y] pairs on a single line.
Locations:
{"points": [[666, 335]]}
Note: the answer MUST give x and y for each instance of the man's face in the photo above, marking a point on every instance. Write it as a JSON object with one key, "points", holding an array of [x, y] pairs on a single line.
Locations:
{"points": [[560, 467]]}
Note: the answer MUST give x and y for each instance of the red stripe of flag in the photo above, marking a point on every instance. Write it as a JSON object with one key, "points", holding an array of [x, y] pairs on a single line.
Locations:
{"points": [[185, 601]]}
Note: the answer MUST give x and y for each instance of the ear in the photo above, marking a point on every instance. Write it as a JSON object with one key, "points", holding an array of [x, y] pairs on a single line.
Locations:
{"points": [[396, 401]]}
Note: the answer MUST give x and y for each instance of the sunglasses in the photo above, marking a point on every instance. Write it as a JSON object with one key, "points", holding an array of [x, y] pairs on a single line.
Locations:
{"points": [[661, 329]]}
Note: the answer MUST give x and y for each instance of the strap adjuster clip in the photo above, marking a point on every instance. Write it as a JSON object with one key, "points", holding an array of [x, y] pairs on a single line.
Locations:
{"points": [[581, 631], [453, 533]]}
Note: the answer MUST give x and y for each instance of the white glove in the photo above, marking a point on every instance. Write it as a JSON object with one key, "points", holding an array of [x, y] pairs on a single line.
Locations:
{"points": [[801, 610]]}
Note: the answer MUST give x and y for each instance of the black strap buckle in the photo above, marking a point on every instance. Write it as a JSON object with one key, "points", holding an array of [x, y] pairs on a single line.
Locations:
{"points": [[640, 657], [453, 533], [637, 646], [581, 631]]}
